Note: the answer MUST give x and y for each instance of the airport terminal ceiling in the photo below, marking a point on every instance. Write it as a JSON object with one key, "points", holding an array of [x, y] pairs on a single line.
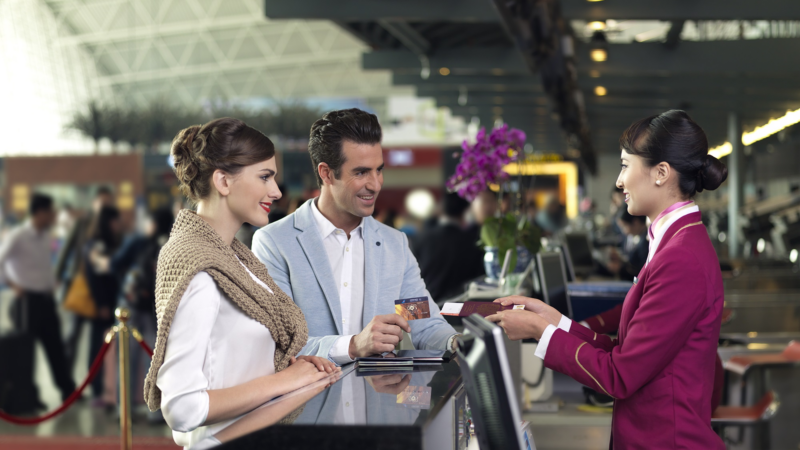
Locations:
{"points": [[703, 58], [193, 50]]}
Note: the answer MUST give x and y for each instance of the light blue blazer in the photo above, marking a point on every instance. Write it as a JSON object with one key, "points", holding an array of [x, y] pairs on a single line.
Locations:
{"points": [[293, 252]]}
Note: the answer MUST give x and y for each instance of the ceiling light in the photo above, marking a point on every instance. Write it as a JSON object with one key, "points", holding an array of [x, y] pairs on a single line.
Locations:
{"points": [[594, 73], [444, 71], [600, 91], [761, 245], [772, 127], [420, 203], [599, 45], [594, 1], [599, 55], [597, 25], [793, 255], [722, 150], [497, 100]]}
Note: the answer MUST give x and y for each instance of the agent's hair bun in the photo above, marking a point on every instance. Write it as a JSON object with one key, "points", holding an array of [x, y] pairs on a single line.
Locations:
{"points": [[712, 174]]}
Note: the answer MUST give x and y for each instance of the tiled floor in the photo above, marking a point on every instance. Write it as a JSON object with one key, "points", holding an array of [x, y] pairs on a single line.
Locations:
{"points": [[569, 428]]}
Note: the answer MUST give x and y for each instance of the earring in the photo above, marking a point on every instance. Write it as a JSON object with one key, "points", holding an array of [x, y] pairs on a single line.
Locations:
{"points": [[658, 182]]}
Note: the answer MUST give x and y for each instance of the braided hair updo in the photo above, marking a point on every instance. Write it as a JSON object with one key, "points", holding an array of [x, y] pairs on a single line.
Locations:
{"points": [[223, 144]]}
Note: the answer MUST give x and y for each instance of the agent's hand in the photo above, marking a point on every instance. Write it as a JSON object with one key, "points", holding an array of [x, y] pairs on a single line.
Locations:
{"points": [[389, 384], [547, 312], [322, 364], [520, 324], [380, 335], [300, 373]]}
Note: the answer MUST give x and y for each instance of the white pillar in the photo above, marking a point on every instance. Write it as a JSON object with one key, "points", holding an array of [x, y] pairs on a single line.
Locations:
{"points": [[735, 185]]}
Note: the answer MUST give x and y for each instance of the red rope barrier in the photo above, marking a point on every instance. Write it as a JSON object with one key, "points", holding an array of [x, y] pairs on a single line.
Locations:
{"points": [[95, 368], [141, 342]]}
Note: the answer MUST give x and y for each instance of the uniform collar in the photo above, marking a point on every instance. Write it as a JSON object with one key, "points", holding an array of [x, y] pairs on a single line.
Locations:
{"points": [[662, 228]]}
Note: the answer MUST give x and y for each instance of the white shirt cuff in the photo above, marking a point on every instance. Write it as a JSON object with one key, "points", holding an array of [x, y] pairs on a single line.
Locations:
{"points": [[340, 351], [541, 349], [584, 323], [565, 323]]}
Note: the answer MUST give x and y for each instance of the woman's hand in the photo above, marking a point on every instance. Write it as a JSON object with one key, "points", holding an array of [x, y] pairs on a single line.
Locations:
{"points": [[547, 312], [322, 364], [300, 373], [519, 324]]}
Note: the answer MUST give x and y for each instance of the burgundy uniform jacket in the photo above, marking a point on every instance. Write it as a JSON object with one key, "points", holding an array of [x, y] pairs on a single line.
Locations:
{"points": [[660, 369]]}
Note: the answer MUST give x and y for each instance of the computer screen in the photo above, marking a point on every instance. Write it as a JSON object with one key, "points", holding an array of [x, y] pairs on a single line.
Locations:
{"points": [[580, 251], [490, 389], [554, 282], [568, 263]]}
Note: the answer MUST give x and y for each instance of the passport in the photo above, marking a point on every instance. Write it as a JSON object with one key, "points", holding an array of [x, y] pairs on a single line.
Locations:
{"points": [[484, 309]]}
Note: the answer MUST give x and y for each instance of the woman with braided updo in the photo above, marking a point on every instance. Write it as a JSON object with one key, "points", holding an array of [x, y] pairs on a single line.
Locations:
{"points": [[227, 335], [661, 368]]}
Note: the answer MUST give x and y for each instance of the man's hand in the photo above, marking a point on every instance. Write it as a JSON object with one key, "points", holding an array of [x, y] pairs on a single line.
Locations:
{"points": [[322, 364], [547, 312], [389, 384], [520, 324], [380, 335]]}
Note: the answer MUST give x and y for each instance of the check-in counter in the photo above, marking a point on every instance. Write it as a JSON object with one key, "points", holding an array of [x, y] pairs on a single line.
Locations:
{"points": [[747, 383], [763, 312], [419, 410]]}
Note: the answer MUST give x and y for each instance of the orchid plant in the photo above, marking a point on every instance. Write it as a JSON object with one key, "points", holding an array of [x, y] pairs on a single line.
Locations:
{"points": [[482, 164]]}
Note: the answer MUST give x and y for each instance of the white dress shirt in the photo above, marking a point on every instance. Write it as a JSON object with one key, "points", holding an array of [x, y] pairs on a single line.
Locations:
{"points": [[26, 259], [659, 230], [212, 344], [346, 258]]}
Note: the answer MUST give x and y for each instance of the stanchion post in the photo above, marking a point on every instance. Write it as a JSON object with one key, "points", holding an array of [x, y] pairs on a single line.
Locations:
{"points": [[126, 436]]}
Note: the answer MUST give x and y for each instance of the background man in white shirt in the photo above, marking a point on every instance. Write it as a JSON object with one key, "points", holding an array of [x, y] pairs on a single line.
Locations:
{"points": [[26, 267], [342, 267]]}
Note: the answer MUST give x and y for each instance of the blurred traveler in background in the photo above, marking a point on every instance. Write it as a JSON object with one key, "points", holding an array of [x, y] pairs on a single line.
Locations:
{"points": [[448, 254], [70, 261], [484, 206], [26, 267], [139, 291], [627, 262], [104, 239], [552, 218]]}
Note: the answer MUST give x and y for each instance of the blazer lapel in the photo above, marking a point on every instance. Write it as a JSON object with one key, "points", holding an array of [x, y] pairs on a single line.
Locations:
{"points": [[314, 250], [373, 261]]}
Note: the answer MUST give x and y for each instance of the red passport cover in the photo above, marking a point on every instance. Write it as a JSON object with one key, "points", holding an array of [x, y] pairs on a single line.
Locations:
{"points": [[483, 308]]}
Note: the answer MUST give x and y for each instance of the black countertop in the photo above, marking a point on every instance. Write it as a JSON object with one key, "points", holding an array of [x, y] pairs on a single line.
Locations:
{"points": [[354, 411]]}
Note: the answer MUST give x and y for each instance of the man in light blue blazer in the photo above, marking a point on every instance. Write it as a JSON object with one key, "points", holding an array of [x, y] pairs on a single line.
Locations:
{"points": [[342, 267]]}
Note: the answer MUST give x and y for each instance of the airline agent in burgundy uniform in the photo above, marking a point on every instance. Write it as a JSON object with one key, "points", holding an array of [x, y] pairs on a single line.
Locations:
{"points": [[660, 369]]}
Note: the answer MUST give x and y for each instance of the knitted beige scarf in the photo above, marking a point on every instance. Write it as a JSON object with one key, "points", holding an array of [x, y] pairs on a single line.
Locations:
{"points": [[194, 246]]}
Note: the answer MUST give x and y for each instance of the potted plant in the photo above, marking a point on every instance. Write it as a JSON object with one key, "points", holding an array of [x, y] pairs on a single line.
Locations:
{"points": [[481, 165]]}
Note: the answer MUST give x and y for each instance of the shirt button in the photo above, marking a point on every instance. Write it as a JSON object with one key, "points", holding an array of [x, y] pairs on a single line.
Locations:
{"points": [[347, 404], [345, 284], [347, 249]]}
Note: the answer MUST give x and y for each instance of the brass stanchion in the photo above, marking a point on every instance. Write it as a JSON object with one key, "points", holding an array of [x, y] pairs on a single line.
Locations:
{"points": [[126, 436]]}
